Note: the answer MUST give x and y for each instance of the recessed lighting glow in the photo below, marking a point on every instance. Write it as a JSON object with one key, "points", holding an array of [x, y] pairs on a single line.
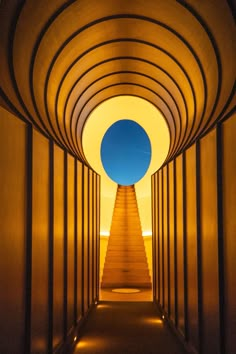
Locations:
{"points": [[105, 233], [82, 344], [147, 233], [103, 306], [156, 321]]}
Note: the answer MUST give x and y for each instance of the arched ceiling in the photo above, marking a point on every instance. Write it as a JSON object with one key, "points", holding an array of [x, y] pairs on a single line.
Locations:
{"points": [[60, 59]]}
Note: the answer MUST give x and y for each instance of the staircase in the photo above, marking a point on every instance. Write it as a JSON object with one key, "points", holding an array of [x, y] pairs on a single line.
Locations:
{"points": [[126, 262]]}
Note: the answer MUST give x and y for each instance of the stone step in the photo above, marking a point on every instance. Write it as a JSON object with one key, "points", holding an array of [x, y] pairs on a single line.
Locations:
{"points": [[136, 231], [127, 231], [125, 244], [120, 210], [127, 278], [126, 235], [126, 238], [126, 261], [125, 252], [123, 272], [126, 265], [124, 247]]}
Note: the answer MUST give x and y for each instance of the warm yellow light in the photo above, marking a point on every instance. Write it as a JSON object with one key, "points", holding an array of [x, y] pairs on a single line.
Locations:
{"points": [[105, 233], [75, 339], [39, 344], [152, 121], [126, 291], [93, 344], [103, 306], [157, 321], [147, 233], [81, 344], [126, 107]]}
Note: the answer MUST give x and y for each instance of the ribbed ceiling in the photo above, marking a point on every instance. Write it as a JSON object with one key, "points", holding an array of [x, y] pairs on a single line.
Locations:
{"points": [[61, 59]]}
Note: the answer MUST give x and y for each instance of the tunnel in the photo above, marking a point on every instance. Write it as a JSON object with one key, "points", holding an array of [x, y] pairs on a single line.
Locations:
{"points": [[69, 69]]}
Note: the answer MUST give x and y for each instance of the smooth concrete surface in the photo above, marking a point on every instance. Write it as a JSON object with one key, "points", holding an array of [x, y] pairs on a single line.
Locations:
{"points": [[129, 328], [142, 295]]}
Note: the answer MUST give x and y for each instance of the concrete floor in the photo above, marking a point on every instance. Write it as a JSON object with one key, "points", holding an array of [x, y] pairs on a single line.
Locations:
{"points": [[143, 295], [119, 327]]}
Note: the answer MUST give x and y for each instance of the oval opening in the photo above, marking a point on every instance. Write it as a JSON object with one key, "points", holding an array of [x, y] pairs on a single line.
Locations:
{"points": [[125, 152]]}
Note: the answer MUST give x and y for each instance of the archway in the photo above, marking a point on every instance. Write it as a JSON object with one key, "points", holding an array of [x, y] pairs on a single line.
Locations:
{"points": [[154, 124]]}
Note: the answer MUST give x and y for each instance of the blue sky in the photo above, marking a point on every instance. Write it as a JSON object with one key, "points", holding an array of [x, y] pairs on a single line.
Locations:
{"points": [[125, 152]]}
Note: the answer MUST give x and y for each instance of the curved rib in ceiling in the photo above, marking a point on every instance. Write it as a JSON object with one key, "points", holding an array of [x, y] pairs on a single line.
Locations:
{"points": [[60, 60]]}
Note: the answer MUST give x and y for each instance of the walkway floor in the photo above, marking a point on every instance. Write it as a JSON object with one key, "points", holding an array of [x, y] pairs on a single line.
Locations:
{"points": [[142, 295], [127, 328]]}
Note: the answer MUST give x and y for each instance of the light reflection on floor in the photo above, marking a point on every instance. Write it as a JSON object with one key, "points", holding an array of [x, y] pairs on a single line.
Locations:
{"points": [[153, 320], [91, 344], [103, 306], [143, 295]]}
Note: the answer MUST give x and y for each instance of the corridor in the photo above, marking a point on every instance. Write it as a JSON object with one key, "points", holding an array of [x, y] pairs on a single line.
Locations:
{"points": [[69, 71], [127, 328]]}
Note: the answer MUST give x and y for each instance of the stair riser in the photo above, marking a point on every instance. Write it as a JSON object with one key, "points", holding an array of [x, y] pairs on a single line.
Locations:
{"points": [[126, 285], [126, 261]]}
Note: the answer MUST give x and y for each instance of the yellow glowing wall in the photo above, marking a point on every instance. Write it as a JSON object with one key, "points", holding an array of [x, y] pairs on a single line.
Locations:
{"points": [[13, 209], [194, 240], [49, 215]]}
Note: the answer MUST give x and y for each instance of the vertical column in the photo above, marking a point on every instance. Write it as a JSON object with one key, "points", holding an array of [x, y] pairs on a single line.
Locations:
{"points": [[191, 245], [160, 239], [185, 251], [65, 244], [58, 247], [157, 250], [70, 241], [180, 244], [199, 247], [209, 244], [95, 241], [75, 243], [166, 239], [40, 243], [228, 168], [91, 239], [98, 193], [154, 235], [79, 217], [175, 244], [221, 252], [50, 246], [85, 240], [171, 240], [28, 275]]}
